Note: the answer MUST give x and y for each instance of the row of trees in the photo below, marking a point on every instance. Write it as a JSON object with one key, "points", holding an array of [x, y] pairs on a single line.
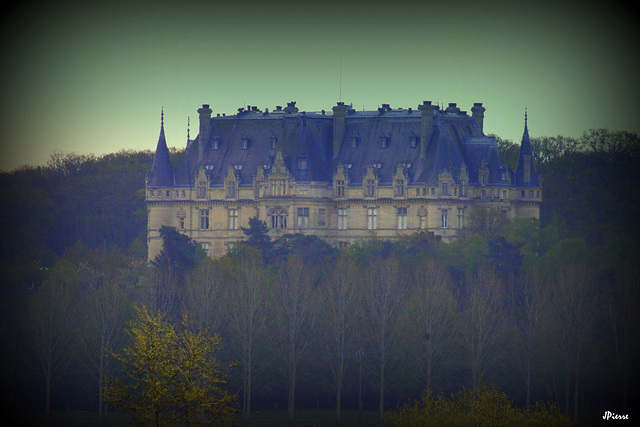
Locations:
{"points": [[391, 319]]}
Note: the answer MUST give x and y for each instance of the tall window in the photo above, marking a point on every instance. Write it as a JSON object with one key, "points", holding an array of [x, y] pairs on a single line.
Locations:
{"points": [[343, 216], [278, 218], [370, 188], [202, 190], [402, 218], [322, 220], [460, 218], [204, 219], [372, 218], [303, 218], [233, 218], [399, 187], [445, 189], [181, 222], [231, 189], [340, 188], [278, 187], [445, 220]]}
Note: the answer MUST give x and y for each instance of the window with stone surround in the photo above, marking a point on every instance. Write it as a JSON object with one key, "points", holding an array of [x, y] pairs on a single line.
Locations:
{"points": [[402, 218], [204, 219], [343, 217], [303, 218], [372, 218]]}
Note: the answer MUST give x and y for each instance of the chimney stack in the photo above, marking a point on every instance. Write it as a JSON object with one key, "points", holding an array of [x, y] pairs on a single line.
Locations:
{"points": [[339, 119], [426, 124], [477, 112], [205, 128]]}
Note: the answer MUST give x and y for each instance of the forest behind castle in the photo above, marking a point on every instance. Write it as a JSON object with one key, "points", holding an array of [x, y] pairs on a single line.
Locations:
{"points": [[540, 309]]}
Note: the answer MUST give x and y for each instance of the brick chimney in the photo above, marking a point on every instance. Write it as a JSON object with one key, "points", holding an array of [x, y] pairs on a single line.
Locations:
{"points": [[339, 118], [426, 125], [477, 112], [205, 128]]}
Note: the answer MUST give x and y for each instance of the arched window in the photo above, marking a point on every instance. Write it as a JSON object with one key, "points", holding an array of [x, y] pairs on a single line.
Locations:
{"points": [[278, 217]]}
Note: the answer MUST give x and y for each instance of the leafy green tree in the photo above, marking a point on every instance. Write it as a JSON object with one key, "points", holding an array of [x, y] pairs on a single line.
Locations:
{"points": [[258, 237], [171, 375], [475, 407]]}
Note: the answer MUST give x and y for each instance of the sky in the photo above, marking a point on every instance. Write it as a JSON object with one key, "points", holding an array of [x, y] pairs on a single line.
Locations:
{"points": [[93, 77]]}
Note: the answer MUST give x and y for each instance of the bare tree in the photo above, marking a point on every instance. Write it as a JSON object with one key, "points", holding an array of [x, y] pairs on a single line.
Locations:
{"points": [[51, 314], [484, 322], [245, 301], [383, 292], [103, 311], [202, 295], [340, 308], [623, 312], [432, 314], [293, 317], [529, 302], [573, 305]]}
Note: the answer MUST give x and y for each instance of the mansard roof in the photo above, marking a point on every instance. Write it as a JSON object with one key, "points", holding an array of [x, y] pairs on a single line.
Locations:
{"points": [[161, 174], [383, 138]]}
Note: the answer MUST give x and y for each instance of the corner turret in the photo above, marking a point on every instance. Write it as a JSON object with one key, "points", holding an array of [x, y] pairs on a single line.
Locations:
{"points": [[525, 170], [161, 174]]}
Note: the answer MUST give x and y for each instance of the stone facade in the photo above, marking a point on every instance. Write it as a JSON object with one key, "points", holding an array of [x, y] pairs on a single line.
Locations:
{"points": [[342, 175]]}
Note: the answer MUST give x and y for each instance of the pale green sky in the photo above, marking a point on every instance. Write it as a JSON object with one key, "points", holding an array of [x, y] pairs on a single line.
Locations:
{"points": [[92, 78]]}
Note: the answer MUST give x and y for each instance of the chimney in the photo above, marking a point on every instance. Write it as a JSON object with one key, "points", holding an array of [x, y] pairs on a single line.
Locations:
{"points": [[291, 108], [205, 127], [477, 112], [339, 119], [426, 125]]}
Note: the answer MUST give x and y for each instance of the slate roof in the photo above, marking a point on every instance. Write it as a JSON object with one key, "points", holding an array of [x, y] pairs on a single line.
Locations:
{"points": [[525, 156], [245, 141], [161, 174]]}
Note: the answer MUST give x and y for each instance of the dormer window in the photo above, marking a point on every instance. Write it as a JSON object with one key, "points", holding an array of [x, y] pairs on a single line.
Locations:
{"points": [[413, 141], [340, 188], [399, 188], [273, 140], [201, 191], [302, 163], [384, 141], [216, 143], [245, 142], [354, 142], [483, 180], [370, 188], [231, 189]]}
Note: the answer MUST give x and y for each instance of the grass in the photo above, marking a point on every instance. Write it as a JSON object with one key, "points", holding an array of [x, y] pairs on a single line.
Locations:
{"points": [[265, 418]]}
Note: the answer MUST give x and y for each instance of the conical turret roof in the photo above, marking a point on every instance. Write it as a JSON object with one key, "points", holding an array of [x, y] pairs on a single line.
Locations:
{"points": [[161, 171]]}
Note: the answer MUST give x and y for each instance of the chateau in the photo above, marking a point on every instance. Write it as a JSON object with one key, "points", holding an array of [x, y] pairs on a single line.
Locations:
{"points": [[342, 175]]}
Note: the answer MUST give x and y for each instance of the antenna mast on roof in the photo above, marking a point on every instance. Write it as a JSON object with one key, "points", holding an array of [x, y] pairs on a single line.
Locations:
{"points": [[188, 125], [340, 77]]}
